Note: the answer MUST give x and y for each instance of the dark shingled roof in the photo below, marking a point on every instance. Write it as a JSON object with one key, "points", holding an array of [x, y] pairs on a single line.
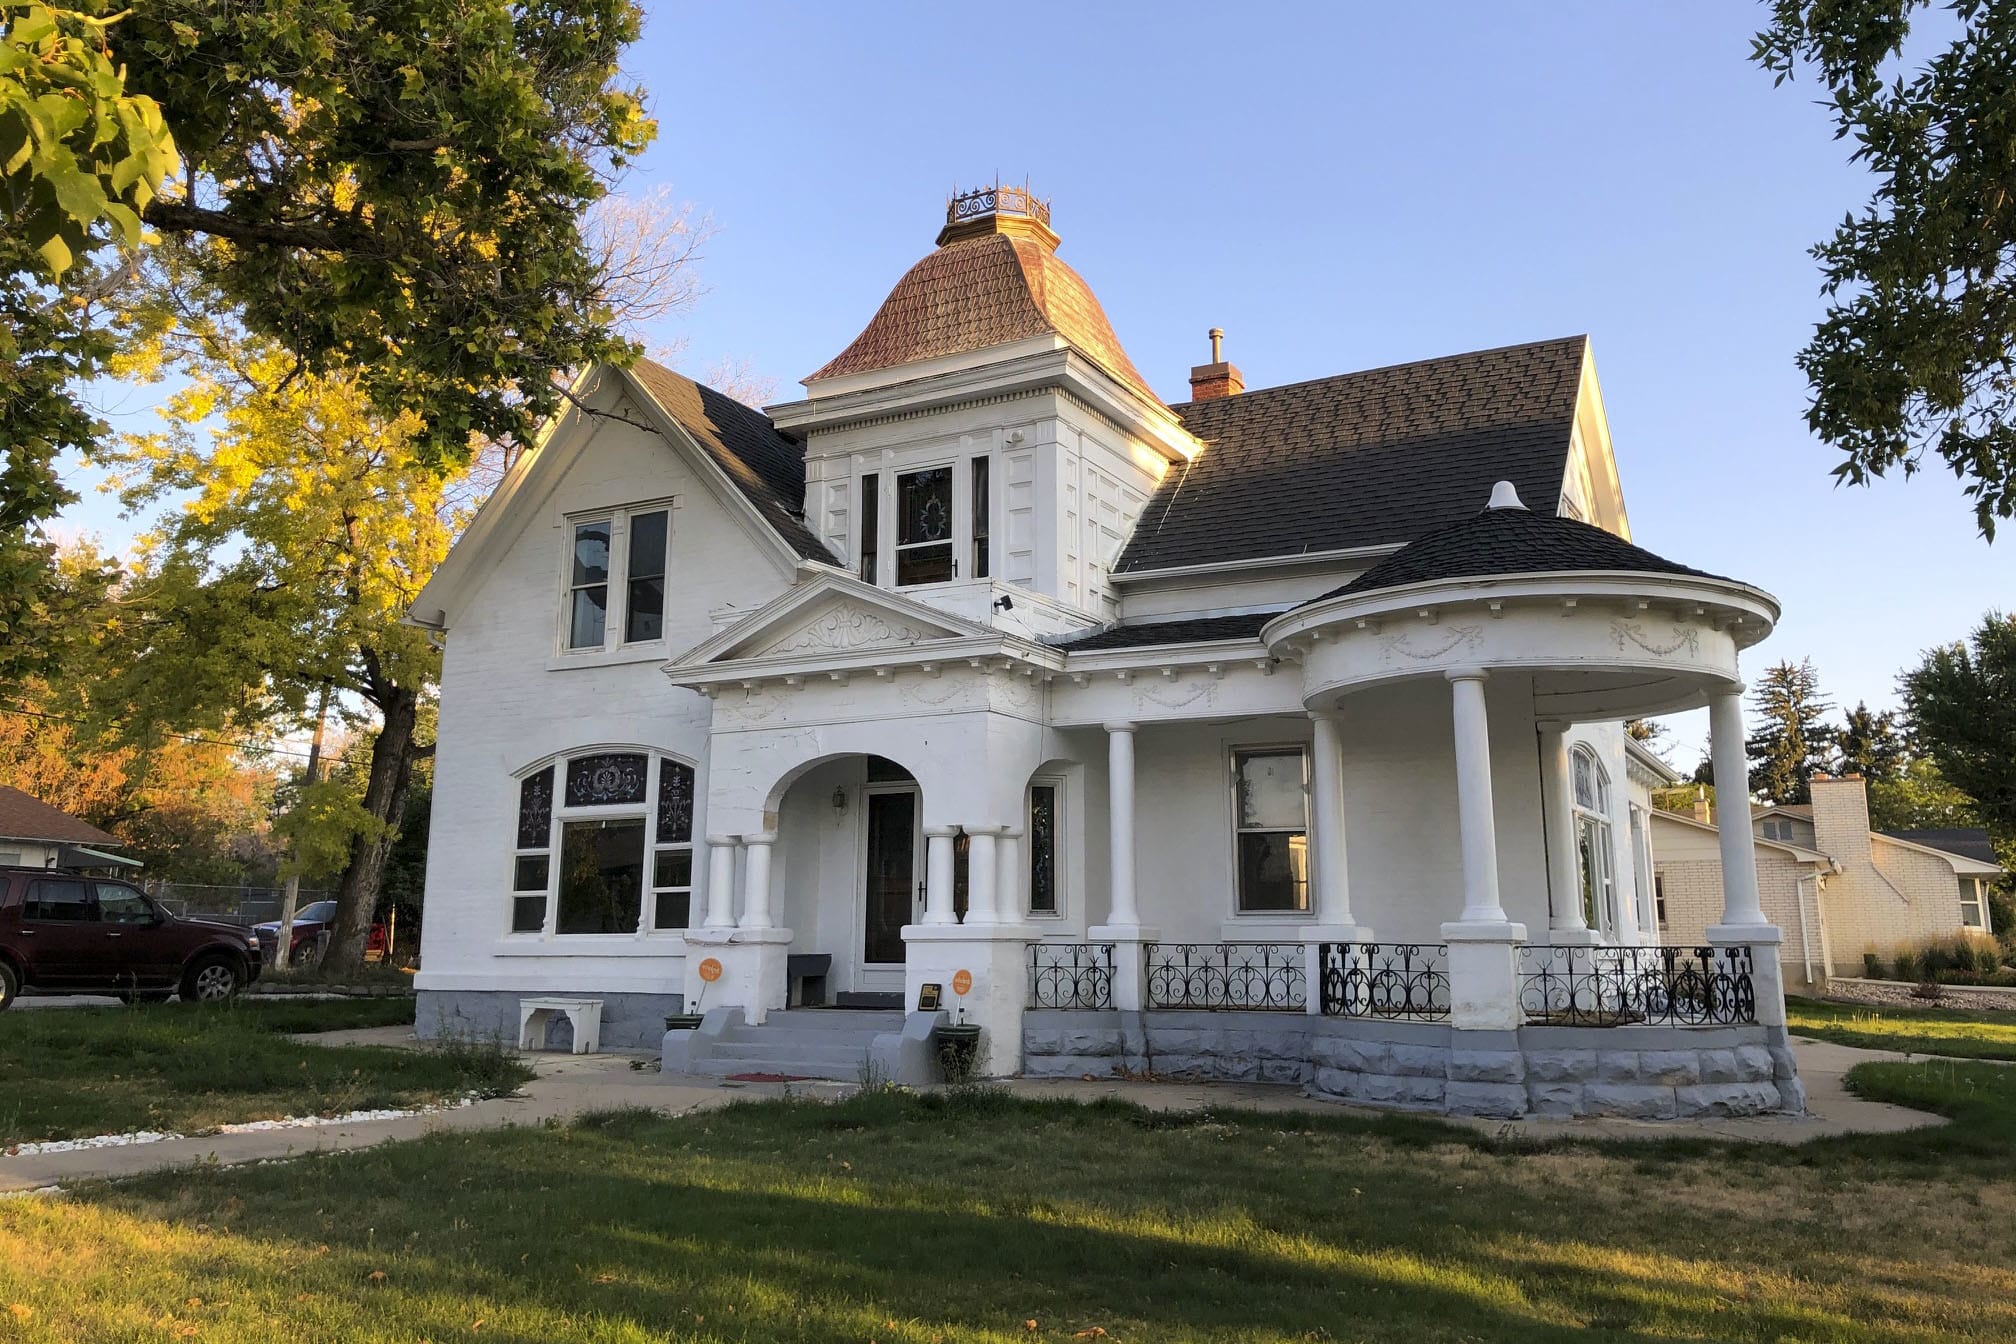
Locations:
{"points": [[1967, 842], [25, 817], [1197, 630], [768, 467], [1363, 459], [1493, 543]]}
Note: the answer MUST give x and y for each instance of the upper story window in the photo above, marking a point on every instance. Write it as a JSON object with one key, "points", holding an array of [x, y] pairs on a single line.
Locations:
{"points": [[932, 528], [616, 579]]}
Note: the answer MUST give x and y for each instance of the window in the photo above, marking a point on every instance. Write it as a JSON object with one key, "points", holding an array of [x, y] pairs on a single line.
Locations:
{"points": [[1659, 897], [601, 875], [621, 867], [1594, 849], [924, 527], [617, 571], [58, 900], [589, 596], [979, 497], [1972, 910], [871, 525], [1641, 870], [1043, 849], [529, 871], [672, 855], [1774, 829], [120, 904], [644, 598], [1271, 820]]}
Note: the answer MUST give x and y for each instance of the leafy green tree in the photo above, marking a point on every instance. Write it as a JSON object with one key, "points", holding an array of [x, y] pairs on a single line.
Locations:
{"points": [[1961, 700], [1870, 744], [1791, 735], [1918, 797], [1917, 349]]}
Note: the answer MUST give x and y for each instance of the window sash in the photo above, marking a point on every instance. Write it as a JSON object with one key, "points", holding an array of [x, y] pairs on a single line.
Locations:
{"points": [[977, 489], [925, 527], [1270, 855], [588, 584], [871, 525], [672, 888], [1044, 898]]}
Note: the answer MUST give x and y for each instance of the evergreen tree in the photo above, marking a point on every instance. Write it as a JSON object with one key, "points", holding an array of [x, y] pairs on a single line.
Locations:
{"points": [[1870, 745], [1961, 702], [1791, 736]]}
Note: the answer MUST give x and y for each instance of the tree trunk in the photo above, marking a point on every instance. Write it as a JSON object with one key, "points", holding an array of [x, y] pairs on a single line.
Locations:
{"points": [[392, 757]]}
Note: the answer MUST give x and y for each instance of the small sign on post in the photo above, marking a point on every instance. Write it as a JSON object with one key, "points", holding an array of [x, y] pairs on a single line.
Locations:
{"points": [[962, 983], [710, 970]]}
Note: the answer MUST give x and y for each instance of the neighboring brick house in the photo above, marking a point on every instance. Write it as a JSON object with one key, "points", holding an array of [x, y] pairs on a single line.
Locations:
{"points": [[40, 836], [1858, 890]]}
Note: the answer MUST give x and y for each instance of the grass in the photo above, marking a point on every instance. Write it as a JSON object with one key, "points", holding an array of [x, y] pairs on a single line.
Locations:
{"points": [[974, 1217], [75, 1072], [1924, 1031]]}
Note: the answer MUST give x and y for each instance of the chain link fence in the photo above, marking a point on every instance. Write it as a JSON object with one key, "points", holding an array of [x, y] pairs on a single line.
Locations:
{"points": [[234, 905]]}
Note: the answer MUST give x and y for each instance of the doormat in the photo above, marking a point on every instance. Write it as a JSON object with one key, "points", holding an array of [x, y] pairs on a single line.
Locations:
{"points": [[770, 1078]]}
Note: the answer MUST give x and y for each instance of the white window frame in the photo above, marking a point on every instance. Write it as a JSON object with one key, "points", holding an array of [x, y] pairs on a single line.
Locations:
{"points": [[1058, 866], [1233, 753], [888, 475], [1594, 820], [1978, 901], [616, 613], [1641, 866], [655, 759]]}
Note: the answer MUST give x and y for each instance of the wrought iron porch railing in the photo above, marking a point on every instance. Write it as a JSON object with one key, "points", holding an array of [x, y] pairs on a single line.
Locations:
{"points": [[1071, 975], [1255, 977], [1395, 981], [1619, 986]]}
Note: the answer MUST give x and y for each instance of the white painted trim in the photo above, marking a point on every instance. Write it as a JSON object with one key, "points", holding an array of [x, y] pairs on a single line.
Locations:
{"points": [[1313, 560]]}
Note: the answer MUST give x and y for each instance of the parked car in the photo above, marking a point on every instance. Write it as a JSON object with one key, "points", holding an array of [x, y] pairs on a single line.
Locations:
{"points": [[64, 932], [312, 922]]}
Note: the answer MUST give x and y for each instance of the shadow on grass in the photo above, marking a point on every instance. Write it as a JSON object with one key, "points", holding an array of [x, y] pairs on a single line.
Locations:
{"points": [[895, 1217]]}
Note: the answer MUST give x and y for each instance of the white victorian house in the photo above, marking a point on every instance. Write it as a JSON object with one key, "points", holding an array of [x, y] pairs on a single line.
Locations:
{"points": [[1275, 734]]}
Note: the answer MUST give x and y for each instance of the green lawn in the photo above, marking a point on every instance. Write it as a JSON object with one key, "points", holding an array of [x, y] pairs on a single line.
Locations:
{"points": [[907, 1220], [1925, 1031], [75, 1072]]}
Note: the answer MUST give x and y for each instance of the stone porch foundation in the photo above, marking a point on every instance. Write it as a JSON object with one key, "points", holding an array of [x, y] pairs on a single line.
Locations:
{"points": [[1645, 1073]]}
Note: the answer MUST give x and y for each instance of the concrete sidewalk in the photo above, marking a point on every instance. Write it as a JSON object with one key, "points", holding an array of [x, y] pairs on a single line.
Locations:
{"points": [[572, 1085]]}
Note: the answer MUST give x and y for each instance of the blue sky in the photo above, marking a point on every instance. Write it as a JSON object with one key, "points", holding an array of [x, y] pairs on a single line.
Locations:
{"points": [[1340, 187]]}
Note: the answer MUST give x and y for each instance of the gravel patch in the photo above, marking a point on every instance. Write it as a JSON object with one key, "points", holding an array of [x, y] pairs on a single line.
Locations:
{"points": [[1897, 994]]}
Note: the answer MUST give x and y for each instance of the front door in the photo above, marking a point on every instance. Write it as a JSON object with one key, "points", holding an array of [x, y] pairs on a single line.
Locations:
{"points": [[891, 879]]}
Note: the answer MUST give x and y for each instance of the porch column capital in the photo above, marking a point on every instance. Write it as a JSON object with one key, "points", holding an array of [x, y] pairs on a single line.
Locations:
{"points": [[760, 839], [723, 841], [940, 832], [1120, 726], [1466, 674]]}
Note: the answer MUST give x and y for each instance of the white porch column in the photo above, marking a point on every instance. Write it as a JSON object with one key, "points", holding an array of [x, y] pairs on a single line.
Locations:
{"points": [[1008, 881], [981, 872], [1740, 904], [1483, 942], [938, 896], [1567, 922], [1326, 823], [720, 882], [1120, 823], [1743, 922], [756, 881]]}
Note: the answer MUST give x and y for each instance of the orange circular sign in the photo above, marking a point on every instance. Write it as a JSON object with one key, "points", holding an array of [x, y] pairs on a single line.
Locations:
{"points": [[962, 982], [710, 970]]}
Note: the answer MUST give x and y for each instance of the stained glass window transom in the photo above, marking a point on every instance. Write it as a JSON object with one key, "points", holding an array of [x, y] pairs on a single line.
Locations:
{"points": [[606, 779], [535, 810], [675, 801]]}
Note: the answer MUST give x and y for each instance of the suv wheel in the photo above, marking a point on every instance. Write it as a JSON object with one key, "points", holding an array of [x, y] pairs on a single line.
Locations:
{"points": [[10, 984], [212, 980]]}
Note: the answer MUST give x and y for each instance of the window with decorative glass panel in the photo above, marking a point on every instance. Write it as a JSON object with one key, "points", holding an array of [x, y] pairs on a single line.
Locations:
{"points": [[613, 850], [1270, 807]]}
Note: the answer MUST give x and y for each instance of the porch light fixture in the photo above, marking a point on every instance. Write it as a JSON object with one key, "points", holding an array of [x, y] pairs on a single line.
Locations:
{"points": [[839, 798]]}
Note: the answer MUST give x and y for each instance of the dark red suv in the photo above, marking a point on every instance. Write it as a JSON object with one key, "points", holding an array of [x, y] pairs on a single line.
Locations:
{"points": [[67, 933]]}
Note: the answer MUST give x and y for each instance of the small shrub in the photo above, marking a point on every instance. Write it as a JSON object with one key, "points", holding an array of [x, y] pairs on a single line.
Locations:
{"points": [[1907, 966], [1873, 967], [1929, 990]]}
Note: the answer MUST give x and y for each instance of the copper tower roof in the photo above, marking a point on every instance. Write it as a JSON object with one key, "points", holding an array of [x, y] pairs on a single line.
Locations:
{"points": [[995, 279]]}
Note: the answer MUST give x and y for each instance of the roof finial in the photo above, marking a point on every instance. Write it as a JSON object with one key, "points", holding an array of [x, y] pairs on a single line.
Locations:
{"points": [[1217, 345], [1503, 496]]}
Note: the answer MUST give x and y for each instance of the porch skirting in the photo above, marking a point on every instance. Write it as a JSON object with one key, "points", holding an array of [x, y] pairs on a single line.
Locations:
{"points": [[630, 1021], [1645, 1073]]}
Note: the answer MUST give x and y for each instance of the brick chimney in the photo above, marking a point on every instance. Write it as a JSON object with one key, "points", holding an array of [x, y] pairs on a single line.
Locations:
{"points": [[1216, 379], [1700, 808], [1841, 818]]}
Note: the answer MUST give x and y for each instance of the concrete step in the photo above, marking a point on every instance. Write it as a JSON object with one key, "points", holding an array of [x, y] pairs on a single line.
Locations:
{"points": [[866, 1022], [763, 1047], [723, 1066]]}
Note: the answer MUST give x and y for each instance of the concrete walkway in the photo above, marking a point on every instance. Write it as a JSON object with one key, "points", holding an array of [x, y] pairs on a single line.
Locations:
{"points": [[570, 1085]]}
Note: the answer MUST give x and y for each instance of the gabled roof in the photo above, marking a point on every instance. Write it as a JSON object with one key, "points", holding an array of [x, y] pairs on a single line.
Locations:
{"points": [[25, 817], [1969, 842], [1799, 852], [1506, 539], [1363, 459], [978, 292], [767, 466]]}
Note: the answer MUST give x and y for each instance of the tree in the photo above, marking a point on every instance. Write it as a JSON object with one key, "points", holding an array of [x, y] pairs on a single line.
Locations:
{"points": [[1961, 700], [1917, 349], [1870, 744], [1787, 746], [1919, 797]]}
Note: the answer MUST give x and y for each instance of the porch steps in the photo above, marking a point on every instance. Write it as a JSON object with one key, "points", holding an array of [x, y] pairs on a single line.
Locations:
{"points": [[802, 1043]]}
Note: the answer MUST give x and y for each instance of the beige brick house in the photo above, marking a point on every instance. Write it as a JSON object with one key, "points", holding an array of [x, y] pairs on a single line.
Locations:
{"points": [[1837, 888]]}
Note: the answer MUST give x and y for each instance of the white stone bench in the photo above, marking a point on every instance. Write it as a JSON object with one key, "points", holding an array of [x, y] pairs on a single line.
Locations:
{"points": [[585, 1015]]}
